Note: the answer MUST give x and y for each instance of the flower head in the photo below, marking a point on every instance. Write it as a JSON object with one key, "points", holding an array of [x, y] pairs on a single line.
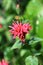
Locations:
{"points": [[3, 62], [1, 26], [20, 30]]}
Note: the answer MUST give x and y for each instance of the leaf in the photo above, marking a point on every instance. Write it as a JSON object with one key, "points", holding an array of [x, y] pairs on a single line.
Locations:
{"points": [[7, 4], [39, 29], [0, 38], [35, 41], [8, 54], [37, 54], [17, 45], [31, 60], [22, 53], [8, 36], [32, 9], [9, 18], [27, 36]]}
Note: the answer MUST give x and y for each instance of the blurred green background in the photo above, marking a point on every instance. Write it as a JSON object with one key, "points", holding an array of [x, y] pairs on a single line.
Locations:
{"points": [[26, 11]]}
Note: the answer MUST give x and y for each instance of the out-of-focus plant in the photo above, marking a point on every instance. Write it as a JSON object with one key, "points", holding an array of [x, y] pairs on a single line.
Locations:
{"points": [[17, 51]]}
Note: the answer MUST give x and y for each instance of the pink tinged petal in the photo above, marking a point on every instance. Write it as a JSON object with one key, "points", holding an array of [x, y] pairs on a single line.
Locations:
{"points": [[4, 62], [0, 63], [30, 27]]}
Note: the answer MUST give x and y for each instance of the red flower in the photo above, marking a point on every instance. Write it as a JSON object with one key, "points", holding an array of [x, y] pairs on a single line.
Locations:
{"points": [[0, 63], [20, 30], [1, 26], [3, 62]]}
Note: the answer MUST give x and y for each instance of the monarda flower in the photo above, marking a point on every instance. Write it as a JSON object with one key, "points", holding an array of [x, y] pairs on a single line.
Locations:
{"points": [[3, 62], [1, 26], [20, 30]]}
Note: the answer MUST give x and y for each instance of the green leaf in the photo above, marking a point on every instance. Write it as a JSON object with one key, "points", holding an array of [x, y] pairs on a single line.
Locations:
{"points": [[35, 41], [8, 36], [39, 29], [22, 53], [18, 10], [27, 36], [0, 38], [31, 60], [8, 54], [17, 45], [32, 9], [7, 4], [9, 18]]}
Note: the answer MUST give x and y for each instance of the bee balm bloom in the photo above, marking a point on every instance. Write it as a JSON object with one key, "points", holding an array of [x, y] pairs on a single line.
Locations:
{"points": [[3, 62], [1, 26], [20, 30]]}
